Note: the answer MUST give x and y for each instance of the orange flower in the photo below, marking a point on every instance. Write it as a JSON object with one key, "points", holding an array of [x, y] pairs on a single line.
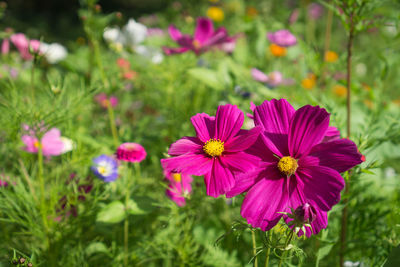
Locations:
{"points": [[309, 82], [340, 90], [252, 12], [331, 56], [369, 103], [215, 13], [277, 51]]}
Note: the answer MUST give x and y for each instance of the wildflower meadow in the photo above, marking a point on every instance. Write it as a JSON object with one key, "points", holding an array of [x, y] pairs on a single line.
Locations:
{"points": [[200, 133]]}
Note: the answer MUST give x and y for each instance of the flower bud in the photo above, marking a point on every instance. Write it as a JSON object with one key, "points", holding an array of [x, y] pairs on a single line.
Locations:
{"points": [[305, 214]]}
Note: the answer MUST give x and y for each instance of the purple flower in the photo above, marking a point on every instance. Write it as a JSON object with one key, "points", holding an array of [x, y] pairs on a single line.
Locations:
{"points": [[179, 187], [105, 168], [282, 38], [315, 11], [297, 166], [218, 150], [204, 38]]}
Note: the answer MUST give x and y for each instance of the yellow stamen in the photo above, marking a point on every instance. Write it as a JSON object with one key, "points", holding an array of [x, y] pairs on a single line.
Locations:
{"points": [[214, 147], [177, 177], [196, 44], [102, 170], [36, 144], [287, 166]]}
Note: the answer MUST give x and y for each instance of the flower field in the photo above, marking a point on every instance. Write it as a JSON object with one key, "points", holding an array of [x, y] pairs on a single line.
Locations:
{"points": [[200, 133]]}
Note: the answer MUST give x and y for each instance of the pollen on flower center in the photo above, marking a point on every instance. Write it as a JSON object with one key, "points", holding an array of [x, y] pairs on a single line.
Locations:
{"points": [[196, 44], [36, 144], [214, 147], [102, 170], [287, 165], [177, 177]]}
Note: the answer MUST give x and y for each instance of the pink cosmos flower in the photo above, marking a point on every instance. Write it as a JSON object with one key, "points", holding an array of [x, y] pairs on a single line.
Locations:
{"points": [[282, 38], [179, 187], [50, 143], [104, 101], [297, 166], [23, 45], [217, 151], [294, 16], [5, 46], [272, 80], [315, 11], [204, 38], [131, 152]]}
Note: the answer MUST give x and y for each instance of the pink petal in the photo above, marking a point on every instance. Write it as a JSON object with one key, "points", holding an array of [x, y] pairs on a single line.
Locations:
{"points": [[307, 129], [331, 134], [5, 46], [174, 33], [274, 116], [321, 185], [243, 140], [264, 200], [186, 145], [204, 125], [51, 143], [204, 30], [258, 75], [261, 149], [340, 155], [196, 164], [171, 51], [219, 36], [244, 181], [220, 180], [29, 142], [229, 120], [240, 161]]}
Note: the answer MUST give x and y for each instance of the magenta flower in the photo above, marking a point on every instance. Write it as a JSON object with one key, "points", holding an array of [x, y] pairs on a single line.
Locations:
{"points": [[179, 187], [297, 166], [282, 38], [131, 152], [104, 100], [23, 45], [51, 143], [204, 38], [218, 150]]}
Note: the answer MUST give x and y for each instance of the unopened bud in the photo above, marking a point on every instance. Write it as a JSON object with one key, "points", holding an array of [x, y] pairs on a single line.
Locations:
{"points": [[305, 213], [22, 260]]}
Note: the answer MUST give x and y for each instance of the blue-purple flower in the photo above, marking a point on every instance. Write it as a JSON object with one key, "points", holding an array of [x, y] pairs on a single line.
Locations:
{"points": [[105, 168]]}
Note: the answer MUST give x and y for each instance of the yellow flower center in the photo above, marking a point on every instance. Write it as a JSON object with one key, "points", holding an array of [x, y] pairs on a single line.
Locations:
{"points": [[196, 44], [177, 177], [102, 170], [214, 147], [36, 144], [287, 166], [216, 14], [331, 56]]}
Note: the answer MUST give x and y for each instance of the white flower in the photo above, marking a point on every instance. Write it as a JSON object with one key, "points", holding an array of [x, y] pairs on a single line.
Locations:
{"points": [[153, 54], [134, 33], [53, 52], [113, 35], [68, 144]]}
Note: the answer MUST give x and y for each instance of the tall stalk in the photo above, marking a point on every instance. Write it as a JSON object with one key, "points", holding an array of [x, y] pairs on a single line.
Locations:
{"points": [[112, 123], [267, 253], [288, 240], [126, 222], [348, 108], [253, 237]]}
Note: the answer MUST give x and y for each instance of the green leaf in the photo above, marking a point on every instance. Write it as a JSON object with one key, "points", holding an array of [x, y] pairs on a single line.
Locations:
{"points": [[111, 213], [323, 252], [140, 205], [208, 77], [96, 247]]}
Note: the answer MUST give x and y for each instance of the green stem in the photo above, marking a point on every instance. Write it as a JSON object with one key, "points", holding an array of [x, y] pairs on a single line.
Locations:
{"points": [[126, 222], [112, 123], [288, 240], [253, 237], [33, 80], [268, 249], [41, 181], [96, 48]]}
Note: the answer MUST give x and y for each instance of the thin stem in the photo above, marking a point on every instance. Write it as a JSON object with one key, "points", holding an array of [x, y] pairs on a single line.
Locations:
{"points": [[112, 123], [253, 237], [33, 80], [96, 48], [41, 183], [126, 222], [288, 240], [328, 31], [268, 249], [348, 105]]}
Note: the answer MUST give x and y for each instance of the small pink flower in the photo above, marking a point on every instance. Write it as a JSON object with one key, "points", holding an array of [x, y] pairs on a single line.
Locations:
{"points": [[282, 38], [179, 187], [155, 32], [50, 143], [5, 46], [294, 16], [123, 63], [20, 41], [272, 80], [131, 152], [315, 11], [104, 101]]}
